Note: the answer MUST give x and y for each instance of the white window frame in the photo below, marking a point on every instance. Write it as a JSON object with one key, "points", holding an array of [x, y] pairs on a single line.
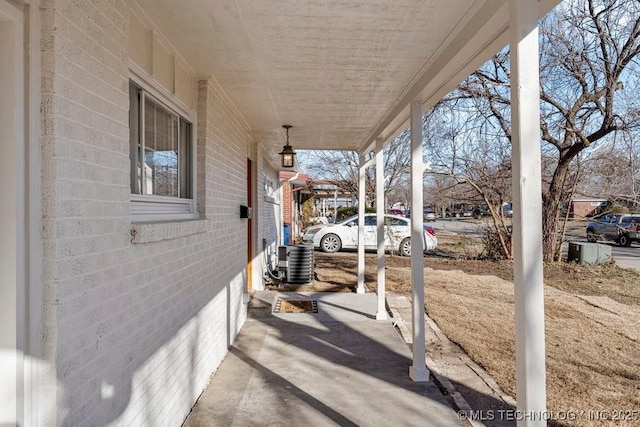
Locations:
{"points": [[147, 208]]}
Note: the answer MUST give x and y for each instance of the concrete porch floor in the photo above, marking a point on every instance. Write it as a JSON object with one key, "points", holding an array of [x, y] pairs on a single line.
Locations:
{"points": [[337, 367]]}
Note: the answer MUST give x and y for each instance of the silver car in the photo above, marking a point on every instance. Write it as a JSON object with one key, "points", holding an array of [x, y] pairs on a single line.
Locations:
{"points": [[621, 228]]}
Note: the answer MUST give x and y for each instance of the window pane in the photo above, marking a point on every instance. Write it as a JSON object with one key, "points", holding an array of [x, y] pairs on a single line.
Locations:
{"points": [[160, 151], [396, 221], [134, 137], [184, 155]]}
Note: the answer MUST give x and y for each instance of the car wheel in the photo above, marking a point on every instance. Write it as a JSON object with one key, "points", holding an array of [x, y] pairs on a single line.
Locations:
{"points": [[624, 240], [405, 247], [330, 243], [591, 236]]}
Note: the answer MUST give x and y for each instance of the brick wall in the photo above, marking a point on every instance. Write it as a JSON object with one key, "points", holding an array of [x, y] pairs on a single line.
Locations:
{"points": [[133, 329], [583, 208], [287, 202]]}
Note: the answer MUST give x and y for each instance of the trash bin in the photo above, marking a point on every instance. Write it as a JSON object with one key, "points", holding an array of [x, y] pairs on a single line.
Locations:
{"points": [[287, 233]]}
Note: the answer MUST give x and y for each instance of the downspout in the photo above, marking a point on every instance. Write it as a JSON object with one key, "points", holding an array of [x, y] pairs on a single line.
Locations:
{"points": [[309, 183]]}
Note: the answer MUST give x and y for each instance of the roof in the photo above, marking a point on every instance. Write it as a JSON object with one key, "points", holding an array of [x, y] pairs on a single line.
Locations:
{"points": [[296, 179], [342, 72], [589, 199]]}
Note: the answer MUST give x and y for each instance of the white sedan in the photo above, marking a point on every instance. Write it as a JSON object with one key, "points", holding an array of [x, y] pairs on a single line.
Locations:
{"points": [[344, 235]]}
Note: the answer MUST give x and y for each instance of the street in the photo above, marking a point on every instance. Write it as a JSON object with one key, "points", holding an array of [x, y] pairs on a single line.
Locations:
{"points": [[626, 257]]}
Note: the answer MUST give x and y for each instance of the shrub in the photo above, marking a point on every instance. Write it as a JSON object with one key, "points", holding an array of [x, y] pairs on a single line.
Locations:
{"points": [[616, 208], [493, 247], [347, 211], [307, 212]]}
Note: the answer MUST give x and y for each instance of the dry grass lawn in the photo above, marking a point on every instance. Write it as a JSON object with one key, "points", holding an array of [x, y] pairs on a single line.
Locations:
{"points": [[592, 324]]}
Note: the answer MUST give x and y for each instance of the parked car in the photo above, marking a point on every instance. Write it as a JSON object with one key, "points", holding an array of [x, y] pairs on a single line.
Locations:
{"points": [[480, 212], [428, 214], [620, 228], [344, 235], [461, 213], [507, 209], [398, 212]]}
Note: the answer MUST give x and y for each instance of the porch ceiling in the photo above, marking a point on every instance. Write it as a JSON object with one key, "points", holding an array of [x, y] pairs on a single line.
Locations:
{"points": [[341, 72]]}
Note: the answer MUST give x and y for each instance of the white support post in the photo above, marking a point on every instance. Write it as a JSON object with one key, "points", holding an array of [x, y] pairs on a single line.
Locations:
{"points": [[382, 311], [527, 214], [361, 205], [418, 371]]}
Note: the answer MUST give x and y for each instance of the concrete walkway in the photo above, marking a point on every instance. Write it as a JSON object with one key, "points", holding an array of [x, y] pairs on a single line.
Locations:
{"points": [[336, 367], [475, 394]]}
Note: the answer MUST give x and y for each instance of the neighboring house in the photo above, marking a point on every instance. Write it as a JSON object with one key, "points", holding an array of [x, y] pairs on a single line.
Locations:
{"points": [[296, 188], [582, 207], [329, 198], [134, 133]]}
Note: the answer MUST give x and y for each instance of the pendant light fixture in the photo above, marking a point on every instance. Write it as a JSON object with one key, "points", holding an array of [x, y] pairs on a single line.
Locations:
{"points": [[287, 152]]}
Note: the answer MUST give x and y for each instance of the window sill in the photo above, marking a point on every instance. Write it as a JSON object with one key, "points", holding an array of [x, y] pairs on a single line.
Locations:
{"points": [[148, 232]]}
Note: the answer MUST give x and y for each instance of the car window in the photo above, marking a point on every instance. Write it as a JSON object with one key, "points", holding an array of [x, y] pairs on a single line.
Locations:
{"points": [[352, 220], [395, 221], [628, 220], [370, 220]]}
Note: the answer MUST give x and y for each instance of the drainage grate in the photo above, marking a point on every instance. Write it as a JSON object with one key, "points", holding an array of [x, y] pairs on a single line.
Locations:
{"points": [[296, 306]]}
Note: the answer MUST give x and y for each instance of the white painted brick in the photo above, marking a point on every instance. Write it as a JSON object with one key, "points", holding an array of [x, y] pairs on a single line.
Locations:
{"points": [[149, 320]]}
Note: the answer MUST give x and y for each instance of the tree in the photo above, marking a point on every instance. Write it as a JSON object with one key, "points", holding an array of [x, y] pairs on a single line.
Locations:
{"points": [[589, 82], [612, 170], [340, 168], [473, 160]]}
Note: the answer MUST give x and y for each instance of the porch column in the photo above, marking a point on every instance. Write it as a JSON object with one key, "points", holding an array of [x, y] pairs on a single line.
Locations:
{"points": [[418, 371], [361, 204], [382, 312], [527, 214]]}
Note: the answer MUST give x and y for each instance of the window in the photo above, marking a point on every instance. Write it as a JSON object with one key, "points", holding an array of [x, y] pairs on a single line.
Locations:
{"points": [[627, 221], [161, 159], [396, 221]]}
